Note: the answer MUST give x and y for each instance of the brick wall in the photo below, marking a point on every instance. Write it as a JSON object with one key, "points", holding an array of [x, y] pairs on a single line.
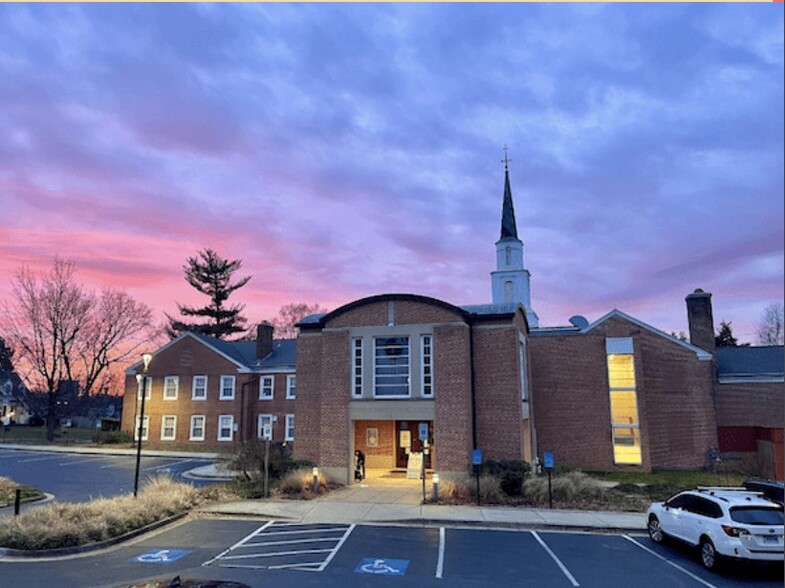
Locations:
{"points": [[382, 456], [760, 404], [334, 417], [309, 397]]}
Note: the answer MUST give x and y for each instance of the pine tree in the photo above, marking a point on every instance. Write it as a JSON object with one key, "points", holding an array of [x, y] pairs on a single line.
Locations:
{"points": [[725, 336], [211, 275]]}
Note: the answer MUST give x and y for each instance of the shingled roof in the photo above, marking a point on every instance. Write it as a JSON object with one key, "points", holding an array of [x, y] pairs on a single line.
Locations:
{"points": [[751, 361]]}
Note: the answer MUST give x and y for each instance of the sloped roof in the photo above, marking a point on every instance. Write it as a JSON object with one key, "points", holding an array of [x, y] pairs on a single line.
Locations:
{"points": [[751, 361]]}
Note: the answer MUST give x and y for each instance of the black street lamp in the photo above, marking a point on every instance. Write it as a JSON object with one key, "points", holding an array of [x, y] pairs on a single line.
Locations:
{"points": [[146, 358]]}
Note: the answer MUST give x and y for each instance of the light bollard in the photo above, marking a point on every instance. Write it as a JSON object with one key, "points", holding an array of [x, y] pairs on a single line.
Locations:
{"points": [[315, 487], [436, 487]]}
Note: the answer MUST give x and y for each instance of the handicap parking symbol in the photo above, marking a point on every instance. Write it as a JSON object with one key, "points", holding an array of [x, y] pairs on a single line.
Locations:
{"points": [[382, 567], [163, 556]]}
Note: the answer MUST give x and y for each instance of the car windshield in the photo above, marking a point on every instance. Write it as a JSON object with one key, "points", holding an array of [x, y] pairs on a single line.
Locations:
{"points": [[757, 515]]}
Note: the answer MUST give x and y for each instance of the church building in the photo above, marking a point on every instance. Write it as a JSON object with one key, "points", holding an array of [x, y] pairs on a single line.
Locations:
{"points": [[400, 375]]}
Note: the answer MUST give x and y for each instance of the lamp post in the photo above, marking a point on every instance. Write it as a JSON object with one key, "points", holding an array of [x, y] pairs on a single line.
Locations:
{"points": [[146, 358]]}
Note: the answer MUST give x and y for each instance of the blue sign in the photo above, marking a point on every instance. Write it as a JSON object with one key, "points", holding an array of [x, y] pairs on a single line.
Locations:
{"points": [[382, 567], [423, 431], [477, 457], [547, 460], [161, 556]]}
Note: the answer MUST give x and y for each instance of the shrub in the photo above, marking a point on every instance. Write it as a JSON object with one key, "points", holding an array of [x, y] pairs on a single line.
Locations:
{"points": [[298, 483], [250, 461], [569, 487], [111, 438], [511, 474], [457, 488]]}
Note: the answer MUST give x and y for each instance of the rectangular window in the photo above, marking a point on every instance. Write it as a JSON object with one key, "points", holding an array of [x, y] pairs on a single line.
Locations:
{"points": [[265, 427], [291, 387], [522, 367], [426, 351], [225, 427], [148, 386], [624, 405], [199, 389], [168, 427], [357, 367], [145, 428], [266, 387], [227, 388], [197, 427], [391, 367], [289, 427], [171, 386]]}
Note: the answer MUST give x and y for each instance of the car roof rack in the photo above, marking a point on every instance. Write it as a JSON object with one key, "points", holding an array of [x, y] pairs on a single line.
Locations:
{"points": [[723, 489]]}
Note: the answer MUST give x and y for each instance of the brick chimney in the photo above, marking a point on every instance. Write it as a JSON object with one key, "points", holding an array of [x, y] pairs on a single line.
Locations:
{"points": [[264, 340], [701, 320]]}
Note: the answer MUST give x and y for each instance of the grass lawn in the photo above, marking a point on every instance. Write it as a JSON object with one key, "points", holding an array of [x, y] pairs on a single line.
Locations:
{"points": [[8, 492], [680, 478], [37, 435]]}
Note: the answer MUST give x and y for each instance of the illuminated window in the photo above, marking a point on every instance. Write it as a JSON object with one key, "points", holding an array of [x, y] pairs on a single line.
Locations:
{"points": [[357, 367], [168, 427], [391, 366], [199, 389], [266, 387], [427, 365], [624, 405]]}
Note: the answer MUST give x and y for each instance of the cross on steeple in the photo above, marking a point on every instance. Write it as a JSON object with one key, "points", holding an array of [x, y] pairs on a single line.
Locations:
{"points": [[506, 161]]}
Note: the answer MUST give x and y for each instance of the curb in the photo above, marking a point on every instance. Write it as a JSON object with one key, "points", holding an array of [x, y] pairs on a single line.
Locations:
{"points": [[29, 554], [513, 526], [97, 450]]}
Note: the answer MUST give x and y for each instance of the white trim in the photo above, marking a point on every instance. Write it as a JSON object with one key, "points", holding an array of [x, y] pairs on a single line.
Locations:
{"points": [[193, 388], [357, 370], [174, 427], [734, 379], [191, 436], [231, 427], [408, 373], [221, 388], [702, 354], [167, 380], [260, 426], [145, 428], [263, 386], [138, 365], [148, 391], [289, 424], [422, 364], [291, 386]]}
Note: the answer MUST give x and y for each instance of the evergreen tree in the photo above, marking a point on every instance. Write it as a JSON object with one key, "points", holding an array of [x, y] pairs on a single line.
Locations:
{"points": [[6, 355], [211, 275], [725, 336]]}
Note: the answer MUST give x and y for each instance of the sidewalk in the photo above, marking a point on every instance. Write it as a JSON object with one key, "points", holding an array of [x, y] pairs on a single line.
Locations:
{"points": [[401, 505]]}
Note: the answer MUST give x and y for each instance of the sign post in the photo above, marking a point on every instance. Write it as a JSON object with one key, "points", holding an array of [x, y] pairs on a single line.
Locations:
{"points": [[423, 434], [547, 463], [477, 462]]}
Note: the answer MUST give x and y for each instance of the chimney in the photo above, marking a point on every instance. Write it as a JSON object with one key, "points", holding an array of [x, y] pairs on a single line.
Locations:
{"points": [[264, 340], [701, 320]]}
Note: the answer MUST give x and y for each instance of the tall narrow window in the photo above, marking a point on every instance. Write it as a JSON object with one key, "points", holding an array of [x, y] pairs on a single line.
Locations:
{"points": [[391, 367], [199, 388], [291, 387], [197, 427], [509, 291], [266, 387], [624, 404], [148, 386], [171, 385], [289, 427], [227, 388], [357, 367], [225, 427], [426, 350], [507, 256], [522, 367], [145, 428], [168, 427]]}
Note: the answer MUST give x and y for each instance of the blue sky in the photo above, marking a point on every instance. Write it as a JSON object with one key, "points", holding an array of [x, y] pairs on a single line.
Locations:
{"points": [[354, 149]]}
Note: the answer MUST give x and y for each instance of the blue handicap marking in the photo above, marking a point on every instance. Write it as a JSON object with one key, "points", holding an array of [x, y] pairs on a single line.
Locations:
{"points": [[161, 556], [382, 567]]}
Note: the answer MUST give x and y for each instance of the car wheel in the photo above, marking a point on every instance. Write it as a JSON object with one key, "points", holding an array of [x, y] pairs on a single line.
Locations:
{"points": [[709, 556], [655, 530]]}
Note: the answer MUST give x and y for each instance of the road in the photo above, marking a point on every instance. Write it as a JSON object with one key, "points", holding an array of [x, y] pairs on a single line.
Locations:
{"points": [[276, 553], [64, 474]]}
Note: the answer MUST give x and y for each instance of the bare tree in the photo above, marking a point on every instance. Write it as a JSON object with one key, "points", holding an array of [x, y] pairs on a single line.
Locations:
{"points": [[288, 316], [770, 326], [60, 332]]}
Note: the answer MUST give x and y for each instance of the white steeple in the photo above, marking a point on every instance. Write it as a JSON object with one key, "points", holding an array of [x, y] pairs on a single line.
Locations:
{"points": [[510, 281]]}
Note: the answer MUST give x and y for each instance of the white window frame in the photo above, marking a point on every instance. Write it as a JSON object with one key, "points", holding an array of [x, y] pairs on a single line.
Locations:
{"points": [[201, 437], [148, 390], [423, 384], [163, 427], [231, 427], [221, 395], [291, 386], [261, 420], [408, 373], [266, 383], [624, 346], [289, 430], [169, 380], [193, 388], [357, 368], [145, 428]]}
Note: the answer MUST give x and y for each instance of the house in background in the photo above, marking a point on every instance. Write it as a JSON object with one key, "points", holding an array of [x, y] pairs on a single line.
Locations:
{"points": [[400, 375]]}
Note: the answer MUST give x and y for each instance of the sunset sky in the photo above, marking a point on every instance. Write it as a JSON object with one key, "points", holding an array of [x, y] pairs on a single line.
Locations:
{"points": [[347, 150]]}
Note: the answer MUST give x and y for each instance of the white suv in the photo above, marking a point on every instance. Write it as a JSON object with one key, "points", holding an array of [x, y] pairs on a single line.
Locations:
{"points": [[724, 522]]}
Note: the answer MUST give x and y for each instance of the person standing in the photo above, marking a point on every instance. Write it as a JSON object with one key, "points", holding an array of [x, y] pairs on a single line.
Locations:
{"points": [[359, 465]]}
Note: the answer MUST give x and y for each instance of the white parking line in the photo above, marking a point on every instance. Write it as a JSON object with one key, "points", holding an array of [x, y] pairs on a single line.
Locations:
{"points": [[669, 562], [40, 458], [77, 461], [440, 562], [166, 465], [562, 567], [239, 543], [276, 554], [337, 547]]}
